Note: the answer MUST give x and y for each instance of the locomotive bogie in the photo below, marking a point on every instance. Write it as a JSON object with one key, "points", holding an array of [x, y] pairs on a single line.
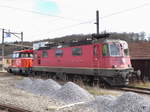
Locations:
{"points": [[113, 77], [21, 70]]}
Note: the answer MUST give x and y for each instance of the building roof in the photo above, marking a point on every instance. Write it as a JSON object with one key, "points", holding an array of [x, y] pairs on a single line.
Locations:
{"points": [[139, 50]]}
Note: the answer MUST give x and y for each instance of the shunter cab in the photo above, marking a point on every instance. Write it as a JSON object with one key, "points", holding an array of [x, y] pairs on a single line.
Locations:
{"points": [[21, 61]]}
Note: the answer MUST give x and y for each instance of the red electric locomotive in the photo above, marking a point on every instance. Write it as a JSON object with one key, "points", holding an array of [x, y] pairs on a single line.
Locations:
{"points": [[21, 62], [93, 61]]}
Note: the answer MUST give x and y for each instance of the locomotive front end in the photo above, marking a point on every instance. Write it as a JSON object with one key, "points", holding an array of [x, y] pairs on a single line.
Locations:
{"points": [[116, 58], [21, 62]]}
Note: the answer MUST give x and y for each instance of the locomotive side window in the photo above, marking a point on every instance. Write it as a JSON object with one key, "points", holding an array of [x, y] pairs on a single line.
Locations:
{"points": [[26, 55], [15, 55], [76, 51], [114, 49], [105, 50], [126, 52], [30, 55], [44, 54], [59, 52], [125, 48], [23, 55]]}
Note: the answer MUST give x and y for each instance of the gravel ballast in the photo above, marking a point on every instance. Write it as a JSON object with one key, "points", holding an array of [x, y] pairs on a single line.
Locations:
{"points": [[9, 94], [68, 93], [26, 84], [72, 93], [127, 102], [39, 86], [48, 87], [37, 95]]}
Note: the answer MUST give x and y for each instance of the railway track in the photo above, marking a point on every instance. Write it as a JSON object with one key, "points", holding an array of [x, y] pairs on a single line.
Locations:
{"points": [[136, 90], [10, 108]]}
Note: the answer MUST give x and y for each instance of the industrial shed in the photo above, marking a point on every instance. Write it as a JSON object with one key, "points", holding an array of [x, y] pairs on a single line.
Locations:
{"points": [[140, 58]]}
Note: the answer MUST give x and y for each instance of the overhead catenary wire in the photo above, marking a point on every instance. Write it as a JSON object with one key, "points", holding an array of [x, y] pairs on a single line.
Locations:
{"points": [[40, 13], [126, 10], [73, 25], [103, 17]]}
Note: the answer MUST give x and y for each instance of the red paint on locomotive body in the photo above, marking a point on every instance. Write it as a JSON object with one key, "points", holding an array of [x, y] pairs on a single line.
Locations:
{"points": [[22, 62], [67, 59], [24, 51], [90, 56]]}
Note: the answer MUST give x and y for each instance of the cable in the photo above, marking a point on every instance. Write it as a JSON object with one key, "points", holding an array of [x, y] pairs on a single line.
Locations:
{"points": [[40, 13], [69, 26], [106, 16], [126, 10]]}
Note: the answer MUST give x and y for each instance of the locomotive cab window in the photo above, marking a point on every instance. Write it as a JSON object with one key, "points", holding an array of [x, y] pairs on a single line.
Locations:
{"points": [[76, 51], [125, 48], [59, 52], [114, 49], [15, 55], [126, 52], [30, 55], [44, 54], [26, 55]]}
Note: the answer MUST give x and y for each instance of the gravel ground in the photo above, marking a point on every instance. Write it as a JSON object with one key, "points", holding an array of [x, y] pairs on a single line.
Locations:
{"points": [[39, 86], [72, 93], [9, 94], [16, 96], [22, 93]]}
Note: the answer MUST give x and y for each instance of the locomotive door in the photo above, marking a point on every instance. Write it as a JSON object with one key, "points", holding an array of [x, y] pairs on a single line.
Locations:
{"points": [[39, 60], [96, 58]]}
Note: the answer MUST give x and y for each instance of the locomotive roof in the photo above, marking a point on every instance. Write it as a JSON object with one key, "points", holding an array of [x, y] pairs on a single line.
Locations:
{"points": [[102, 38], [79, 43], [115, 40], [25, 51]]}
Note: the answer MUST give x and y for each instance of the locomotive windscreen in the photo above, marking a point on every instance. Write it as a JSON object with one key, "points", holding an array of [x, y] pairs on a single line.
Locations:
{"points": [[115, 49]]}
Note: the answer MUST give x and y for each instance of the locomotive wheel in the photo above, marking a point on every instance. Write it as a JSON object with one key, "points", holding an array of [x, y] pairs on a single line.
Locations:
{"points": [[96, 82], [78, 79]]}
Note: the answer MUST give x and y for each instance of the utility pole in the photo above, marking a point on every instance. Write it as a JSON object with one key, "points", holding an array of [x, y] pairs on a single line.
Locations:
{"points": [[22, 38], [3, 52], [97, 21]]}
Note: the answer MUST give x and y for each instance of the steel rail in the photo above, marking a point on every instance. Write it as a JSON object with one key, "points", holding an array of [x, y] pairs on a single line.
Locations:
{"points": [[140, 88], [10, 108], [136, 89]]}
